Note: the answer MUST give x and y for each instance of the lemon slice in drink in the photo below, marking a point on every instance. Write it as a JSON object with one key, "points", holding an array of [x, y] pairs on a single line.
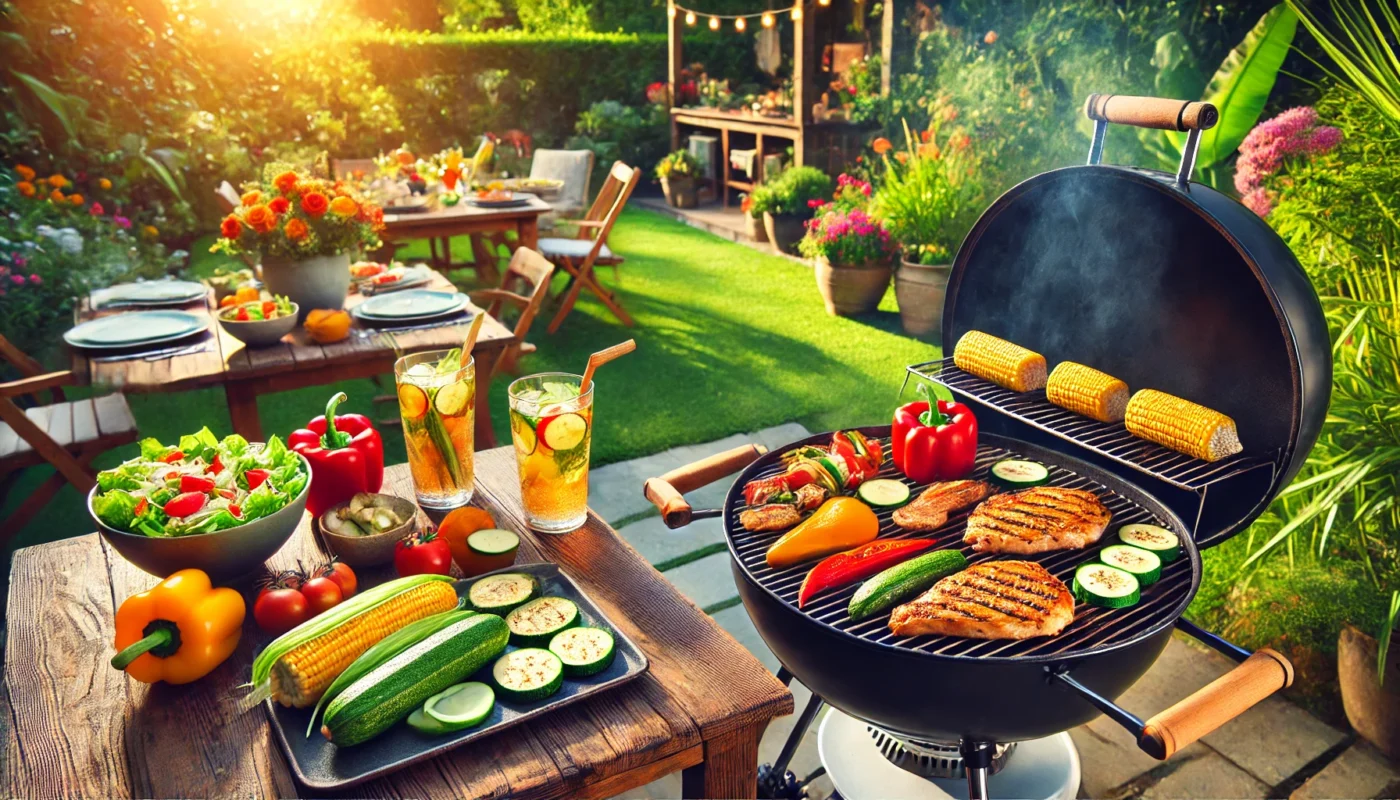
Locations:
{"points": [[452, 400], [413, 403]]}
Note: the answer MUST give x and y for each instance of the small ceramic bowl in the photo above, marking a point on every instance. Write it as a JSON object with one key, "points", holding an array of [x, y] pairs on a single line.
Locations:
{"points": [[259, 332], [376, 548]]}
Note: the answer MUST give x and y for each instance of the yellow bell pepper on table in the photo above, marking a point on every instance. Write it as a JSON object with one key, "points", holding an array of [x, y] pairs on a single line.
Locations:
{"points": [[839, 524], [179, 630]]}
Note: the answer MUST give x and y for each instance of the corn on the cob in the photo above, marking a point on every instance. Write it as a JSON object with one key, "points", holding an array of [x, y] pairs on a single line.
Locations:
{"points": [[999, 361], [301, 675], [1182, 425], [1085, 390]]}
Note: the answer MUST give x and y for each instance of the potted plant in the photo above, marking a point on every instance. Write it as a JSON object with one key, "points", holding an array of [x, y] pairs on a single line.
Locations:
{"points": [[305, 230], [787, 203], [1368, 672], [852, 254], [753, 221], [929, 197], [677, 172]]}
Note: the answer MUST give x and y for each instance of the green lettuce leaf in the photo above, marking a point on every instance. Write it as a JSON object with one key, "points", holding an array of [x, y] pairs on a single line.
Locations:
{"points": [[201, 444], [262, 502], [233, 445], [218, 521], [152, 449], [116, 509], [128, 476]]}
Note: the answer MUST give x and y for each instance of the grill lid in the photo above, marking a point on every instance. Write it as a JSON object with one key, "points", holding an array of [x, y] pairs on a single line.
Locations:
{"points": [[1170, 287]]}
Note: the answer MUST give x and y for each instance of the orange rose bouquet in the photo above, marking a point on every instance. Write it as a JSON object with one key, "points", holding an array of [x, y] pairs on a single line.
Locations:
{"points": [[296, 217]]}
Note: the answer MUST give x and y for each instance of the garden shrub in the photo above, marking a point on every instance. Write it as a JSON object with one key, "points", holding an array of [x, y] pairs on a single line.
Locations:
{"points": [[794, 192], [614, 131]]}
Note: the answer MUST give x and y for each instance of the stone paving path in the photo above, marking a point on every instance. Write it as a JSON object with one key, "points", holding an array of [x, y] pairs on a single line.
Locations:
{"points": [[1275, 750]]}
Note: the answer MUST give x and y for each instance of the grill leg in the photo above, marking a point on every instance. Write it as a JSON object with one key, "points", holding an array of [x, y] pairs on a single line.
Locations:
{"points": [[977, 759], [776, 781]]}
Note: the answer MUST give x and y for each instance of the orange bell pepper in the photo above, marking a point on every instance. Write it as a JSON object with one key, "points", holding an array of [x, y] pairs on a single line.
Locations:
{"points": [[840, 524], [179, 630]]}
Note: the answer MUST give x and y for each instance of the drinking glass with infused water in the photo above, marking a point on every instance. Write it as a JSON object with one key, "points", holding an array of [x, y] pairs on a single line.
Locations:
{"points": [[437, 393], [551, 424]]}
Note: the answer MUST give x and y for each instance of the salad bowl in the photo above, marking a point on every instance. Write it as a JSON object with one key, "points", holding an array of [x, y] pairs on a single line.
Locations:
{"points": [[259, 332], [224, 554]]}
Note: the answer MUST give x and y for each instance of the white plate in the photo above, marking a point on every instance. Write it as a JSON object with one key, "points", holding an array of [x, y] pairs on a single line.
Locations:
{"points": [[151, 293], [122, 331], [410, 304]]}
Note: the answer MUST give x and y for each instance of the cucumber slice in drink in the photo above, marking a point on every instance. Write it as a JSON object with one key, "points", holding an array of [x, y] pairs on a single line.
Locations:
{"points": [[563, 431], [883, 493], [1105, 586], [522, 432], [453, 399], [462, 706], [1153, 538], [583, 651], [1143, 564], [1014, 473]]}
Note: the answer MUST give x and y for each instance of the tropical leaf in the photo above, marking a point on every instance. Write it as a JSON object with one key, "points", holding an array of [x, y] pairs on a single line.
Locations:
{"points": [[163, 174], [1361, 51], [55, 101]]}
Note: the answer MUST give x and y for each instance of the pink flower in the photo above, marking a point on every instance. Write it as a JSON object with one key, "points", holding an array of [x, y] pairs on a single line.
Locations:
{"points": [[122, 222], [2, 291], [20, 261], [96, 209], [35, 279], [1292, 134], [17, 280], [1258, 201]]}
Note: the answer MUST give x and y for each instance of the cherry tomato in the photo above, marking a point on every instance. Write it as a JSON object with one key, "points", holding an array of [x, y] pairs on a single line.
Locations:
{"points": [[344, 576], [193, 483], [278, 610], [141, 507], [255, 478], [235, 510], [422, 554], [268, 309], [215, 467], [183, 505], [242, 315], [172, 457], [321, 593]]}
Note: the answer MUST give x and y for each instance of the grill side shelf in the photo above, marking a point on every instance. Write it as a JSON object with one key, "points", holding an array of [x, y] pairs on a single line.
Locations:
{"points": [[1111, 440]]}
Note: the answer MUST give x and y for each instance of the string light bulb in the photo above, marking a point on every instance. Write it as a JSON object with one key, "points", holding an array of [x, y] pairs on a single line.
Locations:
{"points": [[796, 13], [767, 20], [690, 17], [671, 12], [823, 2], [740, 24], [714, 23]]}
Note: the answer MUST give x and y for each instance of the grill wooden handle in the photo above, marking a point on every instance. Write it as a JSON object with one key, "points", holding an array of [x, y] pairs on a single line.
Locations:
{"points": [[1151, 112], [667, 492], [1213, 705]]}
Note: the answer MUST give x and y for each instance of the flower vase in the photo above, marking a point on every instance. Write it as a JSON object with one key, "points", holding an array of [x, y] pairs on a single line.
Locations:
{"points": [[315, 282], [920, 290], [848, 290], [785, 231]]}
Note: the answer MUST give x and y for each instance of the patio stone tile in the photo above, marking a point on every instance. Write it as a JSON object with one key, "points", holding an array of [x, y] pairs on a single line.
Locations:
{"points": [[658, 543], [615, 491], [1209, 777], [1109, 757], [1360, 771], [706, 581]]}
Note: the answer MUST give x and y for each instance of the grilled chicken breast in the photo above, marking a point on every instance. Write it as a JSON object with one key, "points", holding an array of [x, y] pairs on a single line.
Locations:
{"points": [[991, 600], [931, 508], [772, 517], [1037, 520]]}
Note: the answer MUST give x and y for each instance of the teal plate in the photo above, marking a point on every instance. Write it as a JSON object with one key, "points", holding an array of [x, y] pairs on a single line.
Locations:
{"points": [[135, 329]]}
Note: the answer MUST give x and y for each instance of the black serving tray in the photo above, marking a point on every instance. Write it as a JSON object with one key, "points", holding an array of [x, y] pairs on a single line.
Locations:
{"points": [[320, 765]]}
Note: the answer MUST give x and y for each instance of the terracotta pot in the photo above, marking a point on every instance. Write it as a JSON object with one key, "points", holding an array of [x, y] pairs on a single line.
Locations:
{"points": [[753, 226], [784, 231], [680, 192], [851, 290], [1372, 709], [920, 290], [311, 283]]}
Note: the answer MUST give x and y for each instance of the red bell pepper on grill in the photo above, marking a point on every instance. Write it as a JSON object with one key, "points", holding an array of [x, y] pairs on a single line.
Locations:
{"points": [[846, 568], [933, 445], [346, 456]]}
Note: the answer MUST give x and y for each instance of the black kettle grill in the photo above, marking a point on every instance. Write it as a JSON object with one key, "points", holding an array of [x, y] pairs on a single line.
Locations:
{"points": [[1164, 283]]}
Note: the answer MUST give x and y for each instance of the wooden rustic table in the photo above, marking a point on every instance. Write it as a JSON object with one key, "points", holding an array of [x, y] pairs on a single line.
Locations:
{"points": [[465, 219], [297, 362], [83, 729]]}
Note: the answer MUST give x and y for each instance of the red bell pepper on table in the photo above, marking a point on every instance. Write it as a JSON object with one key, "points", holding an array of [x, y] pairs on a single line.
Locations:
{"points": [[936, 445], [846, 568], [346, 456]]}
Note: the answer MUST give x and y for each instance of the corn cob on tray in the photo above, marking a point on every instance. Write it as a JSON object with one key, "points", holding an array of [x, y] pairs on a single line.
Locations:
{"points": [[1085, 390], [1182, 425], [999, 361]]}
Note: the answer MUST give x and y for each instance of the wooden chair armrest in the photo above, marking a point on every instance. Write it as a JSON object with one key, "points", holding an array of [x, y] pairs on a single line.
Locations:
{"points": [[37, 383], [526, 348], [588, 223], [490, 295]]}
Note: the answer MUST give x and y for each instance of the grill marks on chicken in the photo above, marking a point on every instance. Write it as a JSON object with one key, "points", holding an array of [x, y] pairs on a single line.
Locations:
{"points": [[929, 511], [991, 600], [1037, 520]]}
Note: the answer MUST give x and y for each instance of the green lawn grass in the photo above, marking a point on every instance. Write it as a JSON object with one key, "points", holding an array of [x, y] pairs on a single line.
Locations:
{"points": [[728, 340]]}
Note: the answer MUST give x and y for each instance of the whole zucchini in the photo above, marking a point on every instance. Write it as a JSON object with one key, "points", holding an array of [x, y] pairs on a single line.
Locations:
{"points": [[372, 704]]}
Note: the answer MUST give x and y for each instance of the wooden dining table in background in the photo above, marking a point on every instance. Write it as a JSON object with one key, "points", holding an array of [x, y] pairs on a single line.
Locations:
{"points": [[464, 219], [295, 363]]}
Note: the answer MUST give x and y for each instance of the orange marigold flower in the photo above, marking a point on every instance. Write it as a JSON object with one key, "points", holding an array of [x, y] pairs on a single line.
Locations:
{"points": [[25, 188], [881, 145], [930, 150], [57, 181], [230, 227], [314, 203], [25, 173], [104, 184], [56, 196], [279, 205], [250, 199], [285, 182], [296, 229], [260, 218], [925, 135], [902, 156], [150, 231], [344, 206], [990, 38], [75, 199]]}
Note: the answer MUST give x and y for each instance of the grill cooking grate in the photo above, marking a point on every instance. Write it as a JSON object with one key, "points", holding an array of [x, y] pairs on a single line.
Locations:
{"points": [[1093, 627], [1111, 440]]}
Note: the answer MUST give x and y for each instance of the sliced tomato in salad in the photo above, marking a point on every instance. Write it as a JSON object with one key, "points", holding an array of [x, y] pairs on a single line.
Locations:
{"points": [[173, 457], [185, 504], [194, 483], [255, 478]]}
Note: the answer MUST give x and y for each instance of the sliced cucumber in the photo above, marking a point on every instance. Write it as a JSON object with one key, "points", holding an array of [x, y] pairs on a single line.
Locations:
{"points": [[1143, 564], [883, 493], [1153, 538], [528, 675], [1014, 473], [1105, 586], [463, 706], [583, 651], [500, 594], [493, 542], [536, 622], [522, 432], [452, 400], [563, 431], [425, 724]]}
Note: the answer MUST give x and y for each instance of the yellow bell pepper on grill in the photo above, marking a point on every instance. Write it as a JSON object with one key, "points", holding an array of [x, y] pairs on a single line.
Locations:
{"points": [[179, 630], [839, 524]]}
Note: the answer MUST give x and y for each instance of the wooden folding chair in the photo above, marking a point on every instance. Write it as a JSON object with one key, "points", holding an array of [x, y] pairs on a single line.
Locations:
{"points": [[66, 434], [579, 256], [535, 271]]}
